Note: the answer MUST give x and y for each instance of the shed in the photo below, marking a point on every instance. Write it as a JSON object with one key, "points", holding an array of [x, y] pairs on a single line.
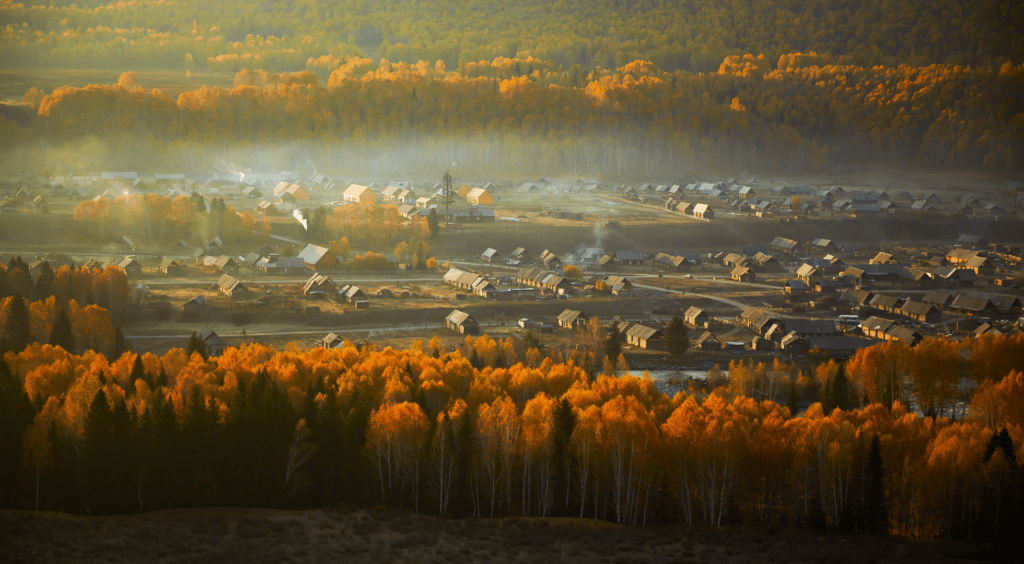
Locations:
{"points": [[571, 319], [646, 337], [215, 345], [708, 342], [462, 323]]}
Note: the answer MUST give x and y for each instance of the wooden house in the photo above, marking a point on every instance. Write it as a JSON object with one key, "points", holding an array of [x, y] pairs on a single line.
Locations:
{"points": [[359, 194], [462, 323], [318, 258], [215, 345], [696, 317], [129, 266], [491, 255], [479, 196], [645, 337], [572, 319], [194, 307], [232, 287], [703, 211], [742, 274], [170, 267], [708, 342]]}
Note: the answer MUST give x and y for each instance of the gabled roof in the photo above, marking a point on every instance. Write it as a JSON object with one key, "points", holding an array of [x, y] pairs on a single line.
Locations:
{"points": [[938, 297], [313, 253], [693, 312], [917, 308], [970, 302], [491, 253], [629, 255], [707, 336], [570, 315], [639, 331], [355, 190], [877, 324], [784, 243]]}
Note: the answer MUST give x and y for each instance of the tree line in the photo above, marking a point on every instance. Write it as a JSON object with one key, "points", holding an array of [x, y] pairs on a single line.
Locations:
{"points": [[675, 34], [493, 428], [747, 115], [77, 309]]}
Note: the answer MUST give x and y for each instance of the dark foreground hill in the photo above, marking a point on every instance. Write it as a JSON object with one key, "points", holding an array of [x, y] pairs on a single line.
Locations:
{"points": [[227, 535]]}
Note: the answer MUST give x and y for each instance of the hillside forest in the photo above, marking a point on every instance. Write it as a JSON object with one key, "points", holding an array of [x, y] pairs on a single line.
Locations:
{"points": [[491, 427], [612, 88]]}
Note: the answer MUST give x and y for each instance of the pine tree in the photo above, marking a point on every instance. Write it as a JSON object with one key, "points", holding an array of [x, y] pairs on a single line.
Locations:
{"points": [[16, 334], [62, 335], [878, 507], [564, 425], [138, 373], [791, 398], [613, 344], [677, 338], [841, 389], [196, 345], [120, 345], [97, 454], [432, 223], [44, 282], [16, 414]]}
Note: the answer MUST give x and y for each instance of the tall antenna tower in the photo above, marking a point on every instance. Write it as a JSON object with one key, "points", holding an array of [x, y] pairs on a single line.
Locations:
{"points": [[447, 196]]}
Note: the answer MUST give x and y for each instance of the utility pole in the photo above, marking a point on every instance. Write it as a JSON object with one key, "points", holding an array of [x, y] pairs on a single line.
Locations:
{"points": [[447, 196]]}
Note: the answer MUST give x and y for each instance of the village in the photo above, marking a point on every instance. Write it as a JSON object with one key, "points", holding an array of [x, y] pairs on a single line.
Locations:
{"points": [[796, 273]]}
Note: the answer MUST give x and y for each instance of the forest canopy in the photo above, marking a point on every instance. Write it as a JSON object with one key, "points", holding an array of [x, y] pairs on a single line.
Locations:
{"points": [[674, 34]]}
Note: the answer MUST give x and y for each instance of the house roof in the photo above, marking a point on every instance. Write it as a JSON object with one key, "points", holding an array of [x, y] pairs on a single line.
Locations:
{"points": [[807, 270], [938, 297], [355, 190], [639, 331], [968, 239], [740, 271], [917, 308], [971, 302], [629, 255], [570, 315], [457, 317], [476, 193], [877, 324], [694, 312], [707, 336], [312, 254], [784, 243], [228, 282], [491, 253]]}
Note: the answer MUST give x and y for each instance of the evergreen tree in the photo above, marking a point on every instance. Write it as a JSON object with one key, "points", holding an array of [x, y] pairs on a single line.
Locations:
{"points": [[530, 341], [16, 330], [613, 344], [97, 453], [677, 338], [138, 373], [878, 509], [792, 398], [44, 282], [120, 345], [196, 345], [62, 335], [16, 414], [841, 389], [564, 425], [432, 223]]}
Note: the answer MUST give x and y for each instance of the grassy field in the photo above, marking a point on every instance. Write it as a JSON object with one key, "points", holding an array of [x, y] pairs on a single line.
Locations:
{"points": [[228, 535]]}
